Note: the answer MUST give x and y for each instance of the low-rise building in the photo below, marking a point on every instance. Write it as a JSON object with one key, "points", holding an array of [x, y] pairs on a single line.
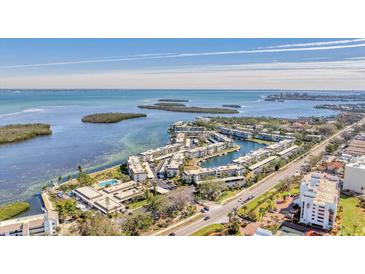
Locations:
{"points": [[318, 199], [244, 134], [35, 225], [109, 199], [136, 170], [258, 167], [253, 156], [288, 151], [173, 167], [161, 152], [279, 146], [211, 149], [272, 137], [355, 176], [188, 128], [356, 148], [202, 174]]}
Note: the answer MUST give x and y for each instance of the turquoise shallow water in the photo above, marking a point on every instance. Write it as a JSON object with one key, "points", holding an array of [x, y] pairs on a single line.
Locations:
{"points": [[26, 167]]}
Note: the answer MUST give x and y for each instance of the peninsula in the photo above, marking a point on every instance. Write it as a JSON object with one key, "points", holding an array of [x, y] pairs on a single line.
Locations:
{"points": [[20, 132], [112, 117], [314, 97]]}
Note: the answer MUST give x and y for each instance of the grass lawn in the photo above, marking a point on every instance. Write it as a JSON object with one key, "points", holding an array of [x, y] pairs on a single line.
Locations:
{"points": [[137, 204], [350, 216], [260, 141], [206, 231], [228, 194]]}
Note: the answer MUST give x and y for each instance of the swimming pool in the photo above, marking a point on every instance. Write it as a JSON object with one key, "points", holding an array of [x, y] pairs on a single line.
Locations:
{"points": [[111, 182]]}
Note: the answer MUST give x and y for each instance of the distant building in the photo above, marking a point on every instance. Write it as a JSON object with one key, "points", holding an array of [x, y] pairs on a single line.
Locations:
{"points": [[318, 199], [35, 225], [355, 176]]}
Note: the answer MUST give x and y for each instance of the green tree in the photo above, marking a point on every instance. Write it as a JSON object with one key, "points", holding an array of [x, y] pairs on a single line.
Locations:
{"points": [[98, 225], [137, 223], [210, 190]]}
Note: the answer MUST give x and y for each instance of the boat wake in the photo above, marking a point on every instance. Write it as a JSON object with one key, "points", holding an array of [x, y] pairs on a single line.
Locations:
{"points": [[28, 110]]}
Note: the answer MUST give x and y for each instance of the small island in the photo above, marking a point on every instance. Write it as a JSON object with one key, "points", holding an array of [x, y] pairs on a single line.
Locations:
{"points": [[183, 108], [112, 117], [173, 100], [232, 106], [21, 132], [11, 210]]}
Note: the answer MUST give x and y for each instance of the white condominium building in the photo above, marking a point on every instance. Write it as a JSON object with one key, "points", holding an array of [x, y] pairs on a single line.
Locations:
{"points": [[200, 152], [318, 200], [161, 152], [195, 176], [41, 224], [235, 132], [136, 170], [173, 168], [355, 176]]}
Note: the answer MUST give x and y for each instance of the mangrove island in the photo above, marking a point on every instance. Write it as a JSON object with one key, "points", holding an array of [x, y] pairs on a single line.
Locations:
{"points": [[112, 117], [20, 132]]}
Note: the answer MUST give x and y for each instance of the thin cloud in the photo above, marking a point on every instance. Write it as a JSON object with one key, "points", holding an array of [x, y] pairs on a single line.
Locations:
{"points": [[315, 44], [184, 55], [346, 75]]}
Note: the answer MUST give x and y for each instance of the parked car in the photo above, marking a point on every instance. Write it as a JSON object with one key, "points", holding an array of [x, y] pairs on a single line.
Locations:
{"points": [[206, 208], [172, 234], [202, 210], [206, 218]]}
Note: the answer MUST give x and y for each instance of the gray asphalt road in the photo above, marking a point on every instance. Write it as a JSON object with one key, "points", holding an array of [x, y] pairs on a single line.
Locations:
{"points": [[219, 214]]}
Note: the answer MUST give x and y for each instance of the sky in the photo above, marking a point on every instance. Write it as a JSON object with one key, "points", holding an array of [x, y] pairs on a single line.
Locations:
{"points": [[317, 64]]}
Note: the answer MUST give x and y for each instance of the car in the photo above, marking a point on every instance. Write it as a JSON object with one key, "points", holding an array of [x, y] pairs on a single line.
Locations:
{"points": [[206, 208], [172, 234], [206, 218], [202, 210]]}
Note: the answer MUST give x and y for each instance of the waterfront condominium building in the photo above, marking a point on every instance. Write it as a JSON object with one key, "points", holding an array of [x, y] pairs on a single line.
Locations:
{"points": [[318, 200], [136, 170], [355, 176], [35, 225]]}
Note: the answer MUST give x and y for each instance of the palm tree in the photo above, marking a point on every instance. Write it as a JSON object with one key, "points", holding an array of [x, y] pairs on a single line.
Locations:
{"points": [[230, 215], [79, 168], [154, 184], [355, 227], [244, 208], [262, 211], [59, 179]]}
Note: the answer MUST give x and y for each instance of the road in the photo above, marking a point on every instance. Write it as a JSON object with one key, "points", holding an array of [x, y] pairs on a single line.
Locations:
{"points": [[219, 214]]}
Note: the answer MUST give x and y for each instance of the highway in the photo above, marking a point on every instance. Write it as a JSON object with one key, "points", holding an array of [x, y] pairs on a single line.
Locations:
{"points": [[219, 213]]}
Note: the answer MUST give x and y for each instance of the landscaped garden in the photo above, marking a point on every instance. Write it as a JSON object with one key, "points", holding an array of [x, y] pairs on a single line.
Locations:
{"points": [[351, 217]]}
